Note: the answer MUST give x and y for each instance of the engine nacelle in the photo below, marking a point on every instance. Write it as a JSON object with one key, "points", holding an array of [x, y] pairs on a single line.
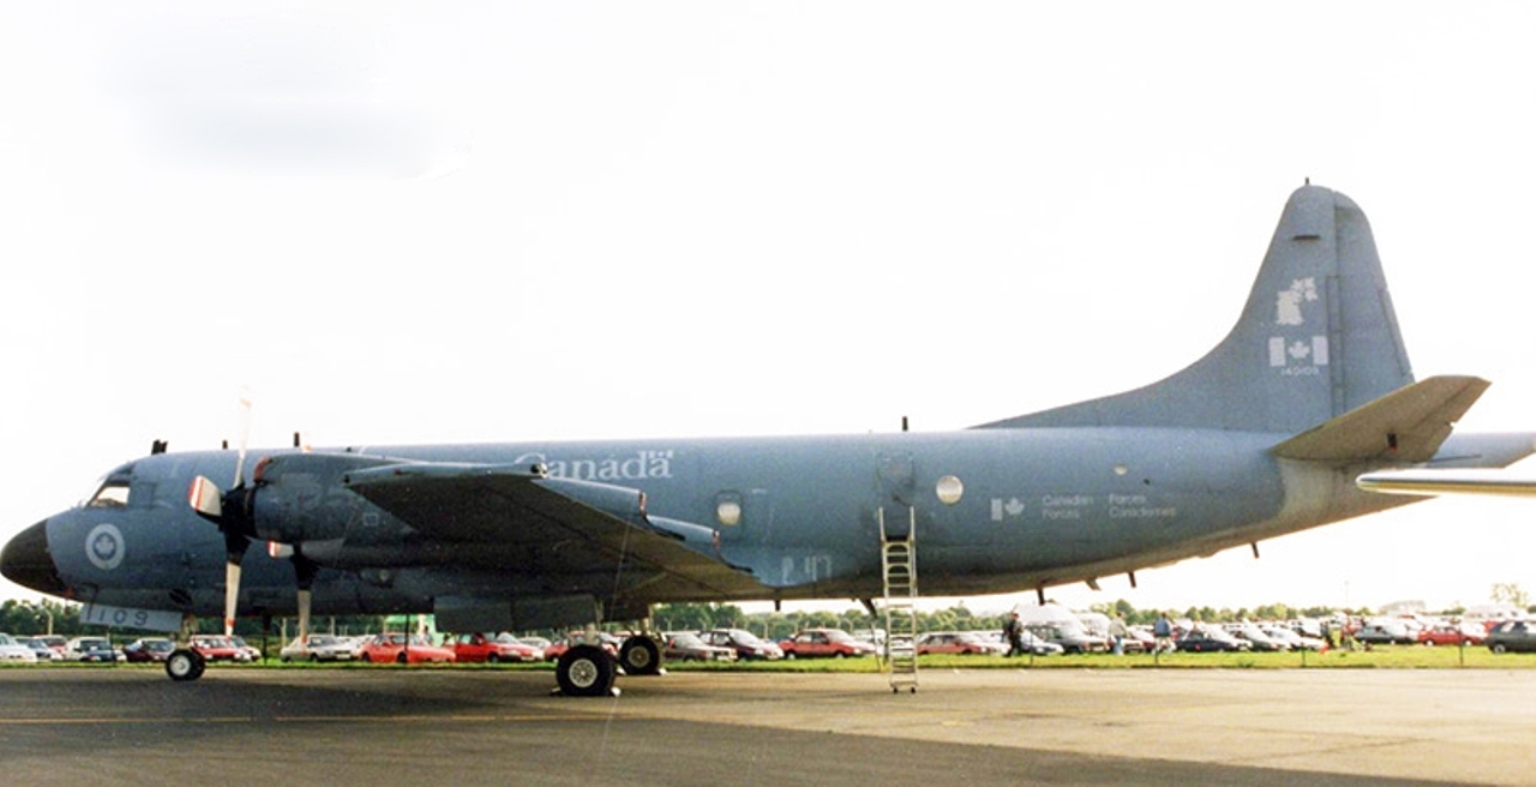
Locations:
{"points": [[301, 497]]}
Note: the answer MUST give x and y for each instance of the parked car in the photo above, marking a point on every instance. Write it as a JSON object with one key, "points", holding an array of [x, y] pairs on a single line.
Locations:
{"points": [[252, 652], [149, 649], [318, 647], [1202, 640], [217, 647], [395, 648], [687, 646], [40, 649], [959, 642], [1257, 639], [57, 643], [11, 650], [536, 642], [746, 644], [1035, 645], [1071, 639], [1385, 631], [835, 643], [558, 648], [477, 648], [1513, 636], [1138, 639], [1295, 639], [1453, 634], [92, 649]]}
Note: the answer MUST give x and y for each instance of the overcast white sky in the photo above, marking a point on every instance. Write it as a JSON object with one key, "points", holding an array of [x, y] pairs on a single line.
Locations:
{"points": [[445, 222]]}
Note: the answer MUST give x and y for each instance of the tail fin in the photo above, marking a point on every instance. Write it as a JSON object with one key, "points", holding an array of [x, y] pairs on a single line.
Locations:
{"points": [[1317, 339]]}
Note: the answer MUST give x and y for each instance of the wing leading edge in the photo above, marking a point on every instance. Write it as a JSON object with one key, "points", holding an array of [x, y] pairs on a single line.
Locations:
{"points": [[573, 535]]}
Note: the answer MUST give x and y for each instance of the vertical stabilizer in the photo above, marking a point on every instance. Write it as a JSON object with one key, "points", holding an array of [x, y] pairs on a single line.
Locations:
{"points": [[1317, 339]]}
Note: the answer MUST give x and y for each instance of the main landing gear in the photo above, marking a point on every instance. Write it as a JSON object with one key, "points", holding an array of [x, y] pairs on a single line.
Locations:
{"points": [[586, 671], [589, 670]]}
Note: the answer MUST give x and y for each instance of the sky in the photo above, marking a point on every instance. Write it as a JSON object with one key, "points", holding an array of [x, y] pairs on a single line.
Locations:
{"points": [[439, 222]]}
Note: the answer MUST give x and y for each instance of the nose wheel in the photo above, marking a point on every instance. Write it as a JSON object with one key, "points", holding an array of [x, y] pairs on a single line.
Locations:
{"points": [[185, 664]]}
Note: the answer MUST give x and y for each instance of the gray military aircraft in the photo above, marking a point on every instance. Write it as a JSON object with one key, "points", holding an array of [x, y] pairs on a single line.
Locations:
{"points": [[1263, 436]]}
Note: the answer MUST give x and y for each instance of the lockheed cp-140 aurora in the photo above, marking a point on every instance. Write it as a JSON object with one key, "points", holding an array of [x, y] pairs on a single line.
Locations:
{"points": [[1263, 436]]}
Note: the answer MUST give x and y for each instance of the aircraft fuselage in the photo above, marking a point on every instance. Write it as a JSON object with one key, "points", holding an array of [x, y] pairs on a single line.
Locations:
{"points": [[994, 511]]}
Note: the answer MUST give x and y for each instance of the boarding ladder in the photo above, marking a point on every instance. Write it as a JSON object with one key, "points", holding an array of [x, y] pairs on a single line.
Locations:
{"points": [[898, 567]]}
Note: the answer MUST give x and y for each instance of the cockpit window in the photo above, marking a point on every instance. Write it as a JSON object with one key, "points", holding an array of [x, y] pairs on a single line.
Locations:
{"points": [[112, 494]]}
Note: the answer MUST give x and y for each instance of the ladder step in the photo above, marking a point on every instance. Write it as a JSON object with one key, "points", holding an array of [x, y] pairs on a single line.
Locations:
{"points": [[898, 564]]}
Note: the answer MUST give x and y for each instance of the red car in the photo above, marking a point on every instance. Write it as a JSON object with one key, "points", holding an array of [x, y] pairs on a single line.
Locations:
{"points": [[476, 648], [217, 647], [963, 642], [825, 642], [149, 649], [558, 648], [387, 648], [1453, 634]]}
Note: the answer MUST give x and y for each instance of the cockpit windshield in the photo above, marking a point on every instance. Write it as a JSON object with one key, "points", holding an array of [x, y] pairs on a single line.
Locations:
{"points": [[112, 491], [112, 494]]}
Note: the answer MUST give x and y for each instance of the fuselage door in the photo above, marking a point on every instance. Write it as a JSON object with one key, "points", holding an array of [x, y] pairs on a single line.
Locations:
{"points": [[896, 496], [897, 479]]}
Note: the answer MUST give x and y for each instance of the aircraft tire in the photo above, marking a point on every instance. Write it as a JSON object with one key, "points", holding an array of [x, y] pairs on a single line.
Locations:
{"points": [[185, 664], [586, 671], [640, 655]]}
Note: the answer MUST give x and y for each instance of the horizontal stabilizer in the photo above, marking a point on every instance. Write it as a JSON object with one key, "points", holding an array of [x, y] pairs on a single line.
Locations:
{"points": [[1407, 425], [1448, 482]]}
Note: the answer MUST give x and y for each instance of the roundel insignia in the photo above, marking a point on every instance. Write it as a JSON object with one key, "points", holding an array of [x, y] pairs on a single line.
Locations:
{"points": [[104, 546]]}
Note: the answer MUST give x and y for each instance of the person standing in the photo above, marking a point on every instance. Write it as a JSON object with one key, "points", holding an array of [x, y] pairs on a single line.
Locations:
{"points": [[1162, 630], [1118, 632], [1013, 631]]}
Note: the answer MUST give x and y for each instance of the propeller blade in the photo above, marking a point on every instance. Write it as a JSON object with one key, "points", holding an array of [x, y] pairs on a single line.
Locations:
{"points": [[306, 601], [231, 595], [304, 571], [206, 498], [245, 438]]}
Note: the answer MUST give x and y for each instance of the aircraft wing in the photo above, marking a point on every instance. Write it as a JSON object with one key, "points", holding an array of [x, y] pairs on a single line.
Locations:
{"points": [[1445, 482], [567, 534]]}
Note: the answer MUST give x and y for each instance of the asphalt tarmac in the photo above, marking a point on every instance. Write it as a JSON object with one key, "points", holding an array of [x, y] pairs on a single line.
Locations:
{"points": [[1011, 726]]}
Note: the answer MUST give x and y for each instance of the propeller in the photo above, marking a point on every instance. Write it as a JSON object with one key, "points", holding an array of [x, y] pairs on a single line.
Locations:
{"points": [[232, 512]]}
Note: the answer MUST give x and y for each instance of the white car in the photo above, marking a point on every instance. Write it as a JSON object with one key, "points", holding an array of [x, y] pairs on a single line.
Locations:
{"points": [[11, 650], [90, 649], [40, 649], [319, 647]]}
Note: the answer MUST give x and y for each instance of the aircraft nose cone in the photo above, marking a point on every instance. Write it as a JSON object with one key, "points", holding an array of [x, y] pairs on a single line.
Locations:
{"points": [[25, 561]]}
